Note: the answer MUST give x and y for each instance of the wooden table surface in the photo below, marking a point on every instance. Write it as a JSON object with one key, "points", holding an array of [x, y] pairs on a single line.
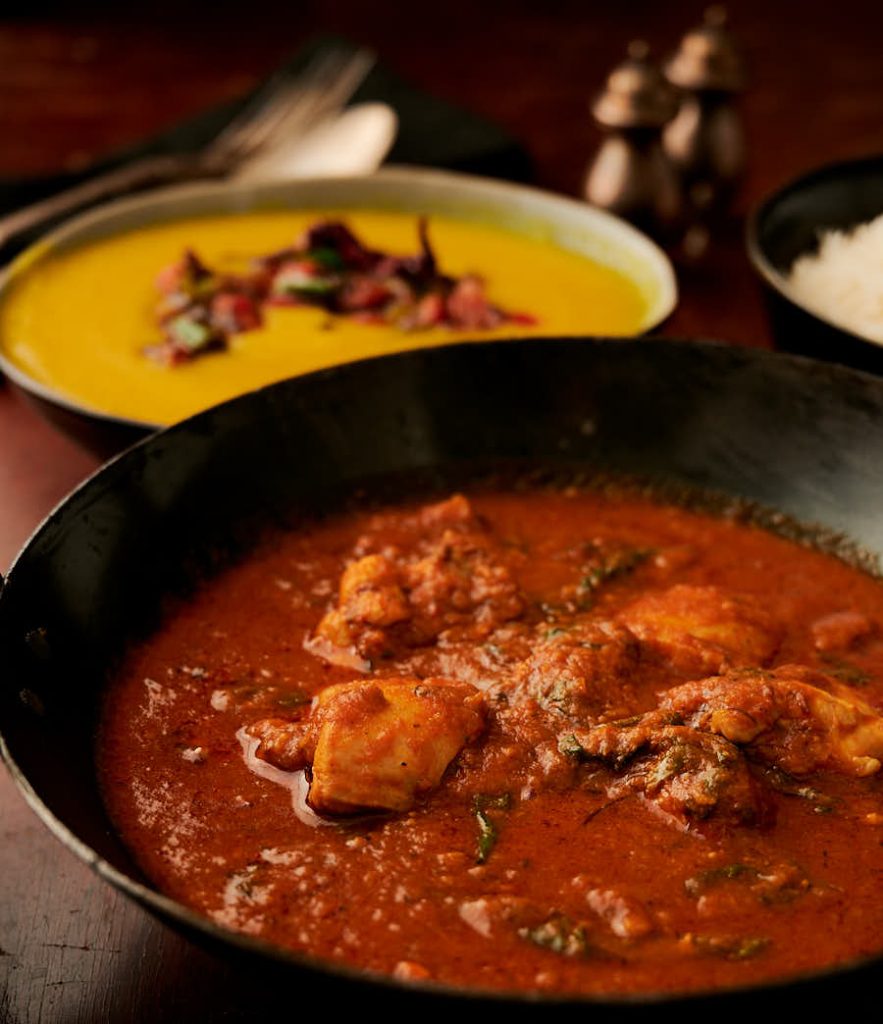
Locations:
{"points": [[72, 88]]}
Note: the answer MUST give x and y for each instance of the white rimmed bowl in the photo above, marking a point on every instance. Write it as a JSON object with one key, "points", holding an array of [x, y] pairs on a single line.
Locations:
{"points": [[563, 222]]}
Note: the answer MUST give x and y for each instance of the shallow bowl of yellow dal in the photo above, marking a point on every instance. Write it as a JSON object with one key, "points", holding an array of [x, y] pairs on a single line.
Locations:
{"points": [[77, 310]]}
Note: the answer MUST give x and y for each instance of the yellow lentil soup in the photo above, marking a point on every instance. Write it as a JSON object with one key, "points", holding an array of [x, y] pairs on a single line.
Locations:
{"points": [[79, 321]]}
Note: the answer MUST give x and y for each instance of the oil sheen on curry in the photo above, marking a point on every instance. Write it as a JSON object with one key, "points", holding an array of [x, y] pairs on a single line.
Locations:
{"points": [[564, 741], [108, 326]]}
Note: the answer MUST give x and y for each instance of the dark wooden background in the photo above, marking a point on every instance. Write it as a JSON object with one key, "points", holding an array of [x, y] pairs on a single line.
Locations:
{"points": [[73, 87]]}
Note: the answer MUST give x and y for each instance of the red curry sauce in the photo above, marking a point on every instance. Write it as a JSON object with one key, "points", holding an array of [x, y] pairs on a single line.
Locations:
{"points": [[605, 824]]}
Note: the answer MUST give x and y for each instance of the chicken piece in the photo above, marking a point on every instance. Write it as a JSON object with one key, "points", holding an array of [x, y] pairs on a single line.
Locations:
{"points": [[460, 580], [581, 672], [282, 743], [799, 720], [487, 665], [452, 580], [700, 630], [626, 917], [840, 630], [453, 511], [371, 591], [375, 745], [371, 598], [522, 754], [688, 774]]}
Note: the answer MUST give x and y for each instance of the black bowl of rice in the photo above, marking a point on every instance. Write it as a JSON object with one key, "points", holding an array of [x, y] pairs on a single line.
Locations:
{"points": [[818, 245]]}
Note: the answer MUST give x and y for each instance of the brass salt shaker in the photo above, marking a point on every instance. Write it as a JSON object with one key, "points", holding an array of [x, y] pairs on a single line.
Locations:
{"points": [[705, 139], [631, 175]]}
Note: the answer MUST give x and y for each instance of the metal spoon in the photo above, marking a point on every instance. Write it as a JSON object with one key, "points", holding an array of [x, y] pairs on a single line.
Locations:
{"points": [[352, 143]]}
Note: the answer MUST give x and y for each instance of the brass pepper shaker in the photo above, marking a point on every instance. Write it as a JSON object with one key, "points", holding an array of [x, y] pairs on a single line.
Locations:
{"points": [[631, 175], [705, 139]]}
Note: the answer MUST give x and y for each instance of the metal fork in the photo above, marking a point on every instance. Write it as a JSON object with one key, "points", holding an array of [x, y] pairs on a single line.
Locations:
{"points": [[286, 106]]}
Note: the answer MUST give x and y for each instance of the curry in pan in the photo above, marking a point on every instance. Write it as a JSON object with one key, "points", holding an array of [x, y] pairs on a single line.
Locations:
{"points": [[530, 739]]}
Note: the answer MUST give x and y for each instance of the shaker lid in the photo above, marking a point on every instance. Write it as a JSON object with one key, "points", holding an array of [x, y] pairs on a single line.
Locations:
{"points": [[708, 58], [636, 94]]}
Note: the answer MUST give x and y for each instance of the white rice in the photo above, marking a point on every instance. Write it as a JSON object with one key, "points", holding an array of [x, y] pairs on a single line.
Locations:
{"points": [[843, 281]]}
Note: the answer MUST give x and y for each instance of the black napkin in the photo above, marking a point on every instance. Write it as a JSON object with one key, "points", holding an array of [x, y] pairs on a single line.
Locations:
{"points": [[431, 133]]}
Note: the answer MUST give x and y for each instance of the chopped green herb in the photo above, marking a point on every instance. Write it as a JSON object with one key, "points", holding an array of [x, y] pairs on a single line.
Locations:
{"points": [[294, 281], [731, 948], [488, 832], [611, 566], [626, 723], [705, 880], [672, 762], [294, 699], [327, 257], [196, 280], [569, 745], [190, 334], [487, 836], [557, 696], [846, 671], [559, 935], [787, 784], [203, 287]]}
